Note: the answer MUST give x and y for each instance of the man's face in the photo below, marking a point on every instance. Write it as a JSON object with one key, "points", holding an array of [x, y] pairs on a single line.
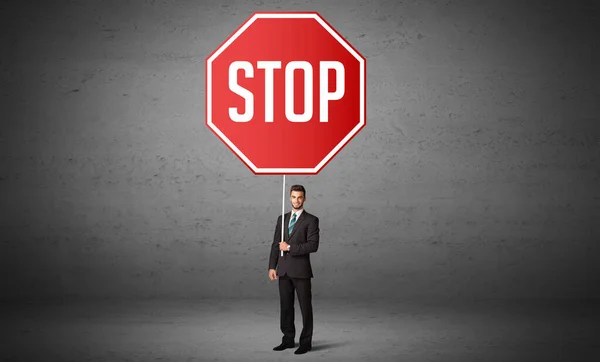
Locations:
{"points": [[297, 199]]}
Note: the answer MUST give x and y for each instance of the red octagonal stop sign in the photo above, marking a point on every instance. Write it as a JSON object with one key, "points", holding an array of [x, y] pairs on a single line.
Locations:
{"points": [[285, 92]]}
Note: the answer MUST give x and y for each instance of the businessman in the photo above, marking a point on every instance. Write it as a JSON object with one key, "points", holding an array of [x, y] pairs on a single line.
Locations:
{"points": [[301, 237]]}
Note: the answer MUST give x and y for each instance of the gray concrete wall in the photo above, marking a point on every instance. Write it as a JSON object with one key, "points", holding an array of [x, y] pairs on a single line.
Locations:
{"points": [[476, 175]]}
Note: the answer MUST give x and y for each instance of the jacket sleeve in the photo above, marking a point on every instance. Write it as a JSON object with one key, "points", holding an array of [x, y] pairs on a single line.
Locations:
{"points": [[273, 256], [312, 240]]}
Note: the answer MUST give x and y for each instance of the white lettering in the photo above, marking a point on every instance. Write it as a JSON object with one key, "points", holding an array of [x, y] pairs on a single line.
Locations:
{"points": [[324, 95], [289, 91], [269, 67], [243, 92]]}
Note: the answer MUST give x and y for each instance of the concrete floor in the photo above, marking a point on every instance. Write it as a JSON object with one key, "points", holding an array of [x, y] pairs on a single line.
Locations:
{"points": [[247, 330]]}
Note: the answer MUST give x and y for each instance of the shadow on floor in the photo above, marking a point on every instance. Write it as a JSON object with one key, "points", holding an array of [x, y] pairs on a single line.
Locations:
{"points": [[327, 345]]}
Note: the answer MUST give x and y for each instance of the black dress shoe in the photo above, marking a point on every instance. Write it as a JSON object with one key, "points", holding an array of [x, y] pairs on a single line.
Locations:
{"points": [[302, 349], [283, 346]]}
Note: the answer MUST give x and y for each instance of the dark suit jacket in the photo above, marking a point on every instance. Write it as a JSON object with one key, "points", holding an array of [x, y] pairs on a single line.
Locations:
{"points": [[303, 241]]}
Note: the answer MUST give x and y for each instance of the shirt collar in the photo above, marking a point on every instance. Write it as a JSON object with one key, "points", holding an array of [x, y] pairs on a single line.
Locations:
{"points": [[298, 213]]}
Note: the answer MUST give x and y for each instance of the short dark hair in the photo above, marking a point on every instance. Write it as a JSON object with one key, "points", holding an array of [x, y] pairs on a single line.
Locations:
{"points": [[298, 188]]}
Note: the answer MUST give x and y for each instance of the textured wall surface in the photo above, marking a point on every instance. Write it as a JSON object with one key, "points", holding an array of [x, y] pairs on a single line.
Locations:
{"points": [[476, 176]]}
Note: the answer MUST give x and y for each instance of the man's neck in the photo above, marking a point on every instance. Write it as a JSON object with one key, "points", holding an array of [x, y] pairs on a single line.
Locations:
{"points": [[295, 211]]}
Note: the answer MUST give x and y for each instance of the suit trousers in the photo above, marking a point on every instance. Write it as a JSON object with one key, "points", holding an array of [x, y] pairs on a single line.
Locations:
{"points": [[302, 286]]}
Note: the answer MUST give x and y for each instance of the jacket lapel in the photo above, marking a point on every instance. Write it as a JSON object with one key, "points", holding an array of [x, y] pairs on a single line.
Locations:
{"points": [[286, 222]]}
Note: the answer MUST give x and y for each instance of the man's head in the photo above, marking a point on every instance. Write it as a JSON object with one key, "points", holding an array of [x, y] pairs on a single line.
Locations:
{"points": [[297, 196]]}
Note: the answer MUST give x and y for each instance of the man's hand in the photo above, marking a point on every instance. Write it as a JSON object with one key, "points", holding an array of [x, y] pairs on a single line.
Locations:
{"points": [[272, 274], [283, 245]]}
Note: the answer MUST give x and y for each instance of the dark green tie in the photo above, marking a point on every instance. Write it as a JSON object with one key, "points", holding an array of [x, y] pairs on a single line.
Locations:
{"points": [[292, 222]]}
